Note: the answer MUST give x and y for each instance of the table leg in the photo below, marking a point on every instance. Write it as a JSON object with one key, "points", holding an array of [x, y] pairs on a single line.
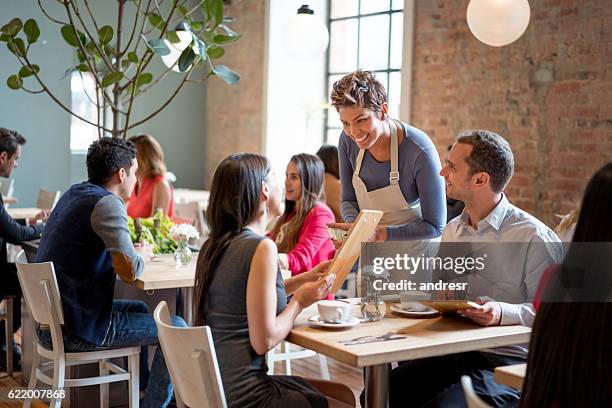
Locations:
{"points": [[184, 304], [377, 385]]}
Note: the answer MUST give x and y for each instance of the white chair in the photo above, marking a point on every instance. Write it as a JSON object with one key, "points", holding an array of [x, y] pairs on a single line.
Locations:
{"points": [[7, 316], [472, 400], [47, 199], [42, 298], [191, 360], [283, 352]]}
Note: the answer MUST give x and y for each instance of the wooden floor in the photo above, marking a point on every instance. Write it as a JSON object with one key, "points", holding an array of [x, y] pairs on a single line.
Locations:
{"points": [[306, 367]]}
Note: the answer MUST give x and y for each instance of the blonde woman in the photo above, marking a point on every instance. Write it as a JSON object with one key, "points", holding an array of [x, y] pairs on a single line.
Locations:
{"points": [[152, 190], [301, 232]]}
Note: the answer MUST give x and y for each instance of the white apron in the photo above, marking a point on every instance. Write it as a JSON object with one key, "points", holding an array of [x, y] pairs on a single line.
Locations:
{"points": [[396, 210]]}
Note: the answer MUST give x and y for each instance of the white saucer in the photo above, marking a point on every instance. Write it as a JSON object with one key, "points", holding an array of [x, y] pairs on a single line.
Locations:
{"points": [[429, 312], [314, 321]]}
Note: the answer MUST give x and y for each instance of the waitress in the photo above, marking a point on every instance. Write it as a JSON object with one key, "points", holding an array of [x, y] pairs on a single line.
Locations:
{"points": [[386, 165]]}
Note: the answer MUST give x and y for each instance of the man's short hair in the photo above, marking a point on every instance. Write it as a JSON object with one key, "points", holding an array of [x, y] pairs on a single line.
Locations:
{"points": [[107, 155], [9, 140], [491, 154]]}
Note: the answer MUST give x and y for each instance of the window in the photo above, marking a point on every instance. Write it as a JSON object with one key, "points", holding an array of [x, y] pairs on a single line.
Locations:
{"points": [[366, 35], [83, 102]]}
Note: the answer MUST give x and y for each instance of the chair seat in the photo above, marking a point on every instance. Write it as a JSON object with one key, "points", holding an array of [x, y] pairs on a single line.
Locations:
{"points": [[91, 355]]}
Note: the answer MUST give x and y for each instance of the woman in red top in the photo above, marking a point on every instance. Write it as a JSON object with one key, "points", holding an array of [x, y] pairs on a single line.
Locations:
{"points": [[570, 357], [301, 232], [152, 190]]}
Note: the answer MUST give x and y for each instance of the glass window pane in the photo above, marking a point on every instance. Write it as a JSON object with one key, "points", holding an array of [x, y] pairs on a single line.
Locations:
{"points": [[83, 94], [373, 6], [397, 4], [394, 93], [343, 46], [397, 37], [333, 120], [374, 42], [383, 78], [344, 8], [333, 136]]}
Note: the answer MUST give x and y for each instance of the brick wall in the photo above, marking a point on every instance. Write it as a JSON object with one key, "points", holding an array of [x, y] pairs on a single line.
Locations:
{"points": [[236, 112], [549, 93]]}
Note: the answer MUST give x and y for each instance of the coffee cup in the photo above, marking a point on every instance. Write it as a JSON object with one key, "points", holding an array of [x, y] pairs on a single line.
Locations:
{"points": [[334, 311], [411, 300]]}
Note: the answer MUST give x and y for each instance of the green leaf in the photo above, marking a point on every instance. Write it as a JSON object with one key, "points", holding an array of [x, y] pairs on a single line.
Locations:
{"points": [[31, 30], [186, 59], [226, 39], [156, 21], [173, 37], [226, 74], [125, 64], [82, 68], [183, 10], [25, 72], [13, 27], [14, 82], [112, 78], [159, 46], [109, 50], [144, 79], [70, 35], [81, 56], [133, 57], [197, 25], [105, 34], [17, 47], [214, 11], [4, 37], [215, 52]]}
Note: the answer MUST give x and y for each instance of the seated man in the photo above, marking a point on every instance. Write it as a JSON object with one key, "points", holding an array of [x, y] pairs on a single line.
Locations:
{"points": [[14, 233], [88, 241], [478, 168]]}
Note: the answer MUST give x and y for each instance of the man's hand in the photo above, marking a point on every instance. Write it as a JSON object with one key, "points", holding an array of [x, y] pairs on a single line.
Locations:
{"points": [[43, 215], [487, 314], [145, 250]]}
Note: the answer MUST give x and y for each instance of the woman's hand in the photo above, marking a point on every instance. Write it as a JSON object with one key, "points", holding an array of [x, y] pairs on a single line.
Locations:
{"points": [[319, 271], [311, 292]]}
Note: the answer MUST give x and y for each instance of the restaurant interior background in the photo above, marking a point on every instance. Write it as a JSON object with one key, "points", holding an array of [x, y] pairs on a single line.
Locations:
{"points": [[548, 93]]}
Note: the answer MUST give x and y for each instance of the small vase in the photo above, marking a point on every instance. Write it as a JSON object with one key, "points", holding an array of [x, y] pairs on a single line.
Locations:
{"points": [[182, 255], [373, 308]]}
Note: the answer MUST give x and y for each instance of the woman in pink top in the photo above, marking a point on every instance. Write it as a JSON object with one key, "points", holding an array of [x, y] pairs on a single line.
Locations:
{"points": [[301, 232], [152, 190]]}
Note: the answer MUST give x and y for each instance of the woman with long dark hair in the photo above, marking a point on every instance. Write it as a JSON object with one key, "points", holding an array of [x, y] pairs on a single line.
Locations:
{"points": [[570, 357], [241, 295], [301, 231]]}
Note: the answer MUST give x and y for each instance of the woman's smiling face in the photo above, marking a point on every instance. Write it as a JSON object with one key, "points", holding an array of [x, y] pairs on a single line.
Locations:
{"points": [[362, 125]]}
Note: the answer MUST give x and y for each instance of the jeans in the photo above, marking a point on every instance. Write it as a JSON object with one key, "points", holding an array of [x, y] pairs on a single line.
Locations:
{"points": [[131, 325]]}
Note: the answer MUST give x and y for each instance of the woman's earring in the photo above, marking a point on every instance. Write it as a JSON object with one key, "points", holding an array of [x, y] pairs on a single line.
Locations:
{"points": [[267, 208]]}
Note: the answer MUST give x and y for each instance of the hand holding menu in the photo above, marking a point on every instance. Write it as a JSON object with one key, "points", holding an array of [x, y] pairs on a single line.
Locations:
{"points": [[346, 256]]}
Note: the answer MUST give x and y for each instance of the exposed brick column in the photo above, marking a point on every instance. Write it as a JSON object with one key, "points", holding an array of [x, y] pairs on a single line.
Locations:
{"points": [[549, 93], [236, 113]]}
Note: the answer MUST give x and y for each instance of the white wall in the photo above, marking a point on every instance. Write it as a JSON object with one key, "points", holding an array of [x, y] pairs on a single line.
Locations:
{"points": [[295, 91]]}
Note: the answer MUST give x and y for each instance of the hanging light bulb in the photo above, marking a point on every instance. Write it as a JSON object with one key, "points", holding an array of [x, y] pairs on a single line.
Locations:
{"points": [[498, 22], [176, 49], [305, 36]]}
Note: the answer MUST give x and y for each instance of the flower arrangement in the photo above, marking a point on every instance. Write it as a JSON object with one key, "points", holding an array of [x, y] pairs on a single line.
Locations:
{"points": [[184, 232], [145, 229]]}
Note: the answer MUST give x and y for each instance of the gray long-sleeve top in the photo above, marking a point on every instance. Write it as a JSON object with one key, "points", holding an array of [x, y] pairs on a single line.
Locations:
{"points": [[420, 180]]}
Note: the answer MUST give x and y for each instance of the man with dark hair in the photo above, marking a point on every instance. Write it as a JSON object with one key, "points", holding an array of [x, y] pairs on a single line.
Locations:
{"points": [[478, 168], [88, 241], [14, 233]]}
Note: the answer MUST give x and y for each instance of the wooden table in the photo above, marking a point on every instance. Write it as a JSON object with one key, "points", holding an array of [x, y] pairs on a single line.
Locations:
{"points": [[162, 273], [9, 200], [424, 338], [23, 213], [511, 375]]}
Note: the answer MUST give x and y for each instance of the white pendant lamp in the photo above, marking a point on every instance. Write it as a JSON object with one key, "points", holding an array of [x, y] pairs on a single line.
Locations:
{"points": [[305, 36], [170, 60], [498, 22]]}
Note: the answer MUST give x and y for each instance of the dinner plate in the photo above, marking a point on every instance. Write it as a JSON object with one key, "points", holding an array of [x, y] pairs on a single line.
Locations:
{"points": [[429, 312], [316, 322]]}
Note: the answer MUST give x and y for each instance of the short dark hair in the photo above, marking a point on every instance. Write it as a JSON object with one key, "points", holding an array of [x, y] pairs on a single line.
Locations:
{"points": [[491, 154], [9, 140], [329, 155], [359, 88], [107, 155]]}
